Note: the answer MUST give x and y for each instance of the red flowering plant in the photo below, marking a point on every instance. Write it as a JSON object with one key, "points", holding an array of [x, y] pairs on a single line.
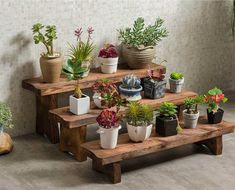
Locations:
{"points": [[213, 98], [108, 119], [108, 51], [108, 93]]}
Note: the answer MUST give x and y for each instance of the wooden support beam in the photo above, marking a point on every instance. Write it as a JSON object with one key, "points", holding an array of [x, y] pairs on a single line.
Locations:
{"points": [[215, 145]]}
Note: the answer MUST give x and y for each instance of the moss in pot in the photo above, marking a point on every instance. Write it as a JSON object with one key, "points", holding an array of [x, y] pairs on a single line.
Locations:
{"points": [[191, 113], [155, 84], [130, 89], [213, 98], [167, 121], [139, 42], [139, 121]]}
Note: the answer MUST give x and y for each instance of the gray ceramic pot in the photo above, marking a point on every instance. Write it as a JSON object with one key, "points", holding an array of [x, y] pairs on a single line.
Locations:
{"points": [[190, 120], [176, 85]]}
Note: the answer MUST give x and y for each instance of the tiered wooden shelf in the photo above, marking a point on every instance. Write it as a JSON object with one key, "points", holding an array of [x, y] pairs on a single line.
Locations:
{"points": [[46, 94], [108, 161]]}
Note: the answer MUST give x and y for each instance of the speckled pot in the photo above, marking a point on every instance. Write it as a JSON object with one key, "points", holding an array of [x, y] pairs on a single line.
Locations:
{"points": [[138, 58]]}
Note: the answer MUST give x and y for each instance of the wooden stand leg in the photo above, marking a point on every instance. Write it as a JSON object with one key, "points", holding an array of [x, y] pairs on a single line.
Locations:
{"points": [[215, 145], [112, 170], [180, 110], [44, 125], [71, 139]]}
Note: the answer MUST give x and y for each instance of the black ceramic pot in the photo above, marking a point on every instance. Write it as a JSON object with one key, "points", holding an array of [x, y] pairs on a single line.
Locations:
{"points": [[154, 89], [166, 126], [216, 117]]}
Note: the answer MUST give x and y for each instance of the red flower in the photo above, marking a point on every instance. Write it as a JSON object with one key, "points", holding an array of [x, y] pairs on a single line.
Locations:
{"points": [[108, 51], [107, 119]]}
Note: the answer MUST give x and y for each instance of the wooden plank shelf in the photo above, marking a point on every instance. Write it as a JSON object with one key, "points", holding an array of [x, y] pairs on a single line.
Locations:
{"points": [[44, 89], [64, 116], [108, 161]]}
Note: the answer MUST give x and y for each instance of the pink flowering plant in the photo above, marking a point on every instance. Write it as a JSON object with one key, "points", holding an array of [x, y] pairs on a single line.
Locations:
{"points": [[108, 119], [82, 51], [108, 51]]}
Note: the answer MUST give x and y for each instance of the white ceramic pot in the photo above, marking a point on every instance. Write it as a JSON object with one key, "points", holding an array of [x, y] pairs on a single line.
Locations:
{"points": [[109, 65], [139, 133], [108, 137], [79, 106], [176, 85], [97, 100], [190, 120]]}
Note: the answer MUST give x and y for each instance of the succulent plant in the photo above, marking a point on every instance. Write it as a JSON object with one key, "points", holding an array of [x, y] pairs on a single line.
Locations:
{"points": [[131, 81]]}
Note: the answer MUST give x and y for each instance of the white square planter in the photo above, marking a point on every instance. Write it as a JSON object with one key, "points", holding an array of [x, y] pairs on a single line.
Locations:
{"points": [[79, 106]]}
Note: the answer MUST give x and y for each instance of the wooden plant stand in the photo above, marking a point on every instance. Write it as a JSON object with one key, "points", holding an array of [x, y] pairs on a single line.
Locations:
{"points": [[108, 161], [47, 95], [73, 127]]}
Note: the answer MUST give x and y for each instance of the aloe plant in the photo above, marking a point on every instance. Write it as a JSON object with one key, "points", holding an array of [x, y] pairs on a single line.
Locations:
{"points": [[74, 71]]}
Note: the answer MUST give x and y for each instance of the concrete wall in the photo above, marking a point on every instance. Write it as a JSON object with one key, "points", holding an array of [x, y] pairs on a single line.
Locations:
{"points": [[200, 43]]}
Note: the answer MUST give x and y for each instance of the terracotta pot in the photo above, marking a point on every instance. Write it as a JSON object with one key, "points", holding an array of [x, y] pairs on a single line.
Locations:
{"points": [[51, 68], [138, 58]]}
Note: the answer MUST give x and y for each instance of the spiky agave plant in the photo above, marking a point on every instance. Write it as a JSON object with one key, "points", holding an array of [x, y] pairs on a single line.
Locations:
{"points": [[74, 71]]}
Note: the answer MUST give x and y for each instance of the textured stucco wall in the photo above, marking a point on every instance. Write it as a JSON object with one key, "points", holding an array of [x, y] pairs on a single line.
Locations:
{"points": [[200, 43]]}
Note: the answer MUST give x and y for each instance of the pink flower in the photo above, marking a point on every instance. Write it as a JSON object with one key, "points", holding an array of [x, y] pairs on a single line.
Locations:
{"points": [[78, 33], [90, 30]]}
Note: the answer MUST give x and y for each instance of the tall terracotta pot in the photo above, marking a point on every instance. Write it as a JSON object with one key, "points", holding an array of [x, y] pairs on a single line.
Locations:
{"points": [[138, 58], [51, 68]]}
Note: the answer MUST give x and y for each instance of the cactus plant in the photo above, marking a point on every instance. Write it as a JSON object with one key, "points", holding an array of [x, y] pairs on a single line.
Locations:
{"points": [[131, 81]]}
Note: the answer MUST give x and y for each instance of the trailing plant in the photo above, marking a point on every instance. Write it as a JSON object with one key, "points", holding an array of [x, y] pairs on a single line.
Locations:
{"points": [[108, 51], [45, 38], [83, 49], [74, 71], [176, 76], [156, 75], [108, 119], [191, 104], [141, 36], [213, 98], [131, 82], [5, 116], [108, 93], [168, 109], [139, 115]]}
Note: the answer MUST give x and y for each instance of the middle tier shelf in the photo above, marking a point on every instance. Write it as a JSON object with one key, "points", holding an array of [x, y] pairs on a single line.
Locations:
{"points": [[67, 119]]}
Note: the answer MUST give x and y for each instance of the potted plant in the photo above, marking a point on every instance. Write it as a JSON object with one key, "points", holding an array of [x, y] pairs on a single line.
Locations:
{"points": [[191, 113], [108, 128], [51, 61], [5, 118], [176, 81], [79, 103], [82, 50], [130, 88], [109, 59], [106, 94], [139, 121], [155, 84], [213, 98], [139, 42], [167, 122]]}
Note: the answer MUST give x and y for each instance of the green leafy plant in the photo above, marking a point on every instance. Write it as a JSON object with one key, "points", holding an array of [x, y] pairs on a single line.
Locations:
{"points": [[191, 104], [74, 71], [5, 116], [45, 38], [139, 115], [140, 35], [168, 109], [176, 76], [213, 98]]}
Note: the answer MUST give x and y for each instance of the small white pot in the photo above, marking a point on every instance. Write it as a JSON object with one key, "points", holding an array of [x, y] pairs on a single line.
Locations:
{"points": [[176, 85], [109, 65], [79, 106], [97, 100], [108, 137], [139, 133], [190, 120]]}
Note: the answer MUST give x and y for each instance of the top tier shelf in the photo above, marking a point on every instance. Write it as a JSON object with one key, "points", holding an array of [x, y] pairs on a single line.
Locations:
{"points": [[41, 88]]}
